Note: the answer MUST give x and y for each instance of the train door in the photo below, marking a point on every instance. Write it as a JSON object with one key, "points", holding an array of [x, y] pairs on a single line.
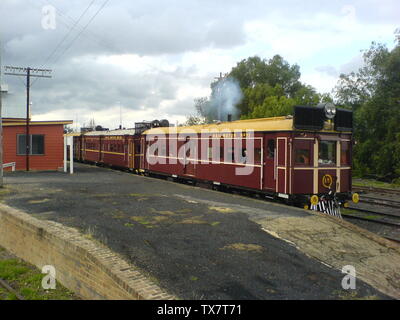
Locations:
{"points": [[143, 154], [190, 158], [269, 163], [281, 165], [83, 148], [80, 148], [100, 148], [131, 153]]}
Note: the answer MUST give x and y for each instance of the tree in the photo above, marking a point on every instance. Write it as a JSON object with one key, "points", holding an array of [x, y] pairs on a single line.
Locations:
{"points": [[193, 120], [374, 95], [271, 87], [257, 88]]}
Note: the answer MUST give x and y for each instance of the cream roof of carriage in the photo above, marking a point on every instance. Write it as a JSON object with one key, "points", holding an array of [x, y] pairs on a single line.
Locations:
{"points": [[262, 124]]}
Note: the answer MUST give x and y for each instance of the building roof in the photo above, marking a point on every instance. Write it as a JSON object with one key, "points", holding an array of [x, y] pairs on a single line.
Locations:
{"points": [[261, 124], [9, 122]]}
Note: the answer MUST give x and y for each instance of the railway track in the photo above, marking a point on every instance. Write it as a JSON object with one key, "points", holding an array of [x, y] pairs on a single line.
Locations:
{"points": [[4, 284], [376, 190], [381, 202], [377, 218]]}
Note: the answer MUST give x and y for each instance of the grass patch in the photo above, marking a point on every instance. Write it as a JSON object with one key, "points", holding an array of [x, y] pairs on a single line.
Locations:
{"points": [[244, 247], [193, 220], [353, 295], [38, 201], [184, 211], [4, 191], [374, 183], [222, 209], [349, 212], [141, 220]]}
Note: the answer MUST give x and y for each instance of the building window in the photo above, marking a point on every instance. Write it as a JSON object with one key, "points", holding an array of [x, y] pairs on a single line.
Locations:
{"points": [[327, 153], [36, 144]]}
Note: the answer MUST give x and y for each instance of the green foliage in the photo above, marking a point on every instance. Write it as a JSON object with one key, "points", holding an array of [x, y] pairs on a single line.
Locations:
{"points": [[374, 95], [270, 88], [193, 120]]}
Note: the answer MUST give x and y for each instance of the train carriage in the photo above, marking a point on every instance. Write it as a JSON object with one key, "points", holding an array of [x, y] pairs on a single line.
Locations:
{"points": [[298, 158], [117, 148]]}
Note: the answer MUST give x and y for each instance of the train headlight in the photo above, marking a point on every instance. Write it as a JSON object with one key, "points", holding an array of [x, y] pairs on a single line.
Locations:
{"points": [[355, 197], [314, 200], [330, 110]]}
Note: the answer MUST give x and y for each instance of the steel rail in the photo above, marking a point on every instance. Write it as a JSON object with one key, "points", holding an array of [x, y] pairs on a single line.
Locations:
{"points": [[10, 289], [349, 216], [381, 202], [375, 189], [375, 212]]}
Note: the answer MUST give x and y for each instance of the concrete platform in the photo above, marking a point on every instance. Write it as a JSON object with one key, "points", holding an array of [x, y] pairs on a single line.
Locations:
{"points": [[202, 244]]}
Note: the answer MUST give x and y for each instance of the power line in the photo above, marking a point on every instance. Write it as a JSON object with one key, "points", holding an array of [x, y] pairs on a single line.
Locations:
{"points": [[84, 28], [93, 36], [66, 35], [80, 33], [69, 32], [62, 14]]}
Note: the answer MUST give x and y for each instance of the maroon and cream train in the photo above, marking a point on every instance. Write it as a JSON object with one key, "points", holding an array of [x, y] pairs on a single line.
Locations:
{"points": [[298, 158]]}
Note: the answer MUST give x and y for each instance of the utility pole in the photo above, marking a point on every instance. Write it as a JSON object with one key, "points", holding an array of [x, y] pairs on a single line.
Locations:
{"points": [[28, 73]]}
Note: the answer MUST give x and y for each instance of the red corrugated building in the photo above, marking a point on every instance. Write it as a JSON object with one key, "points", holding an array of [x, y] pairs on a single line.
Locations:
{"points": [[46, 143]]}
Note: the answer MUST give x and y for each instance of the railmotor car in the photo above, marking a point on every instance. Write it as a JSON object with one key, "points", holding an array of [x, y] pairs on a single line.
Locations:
{"points": [[304, 159]]}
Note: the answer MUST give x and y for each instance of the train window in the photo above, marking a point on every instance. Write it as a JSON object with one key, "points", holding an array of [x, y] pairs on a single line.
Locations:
{"points": [[229, 156], [327, 153], [271, 148], [243, 155], [257, 155], [209, 153], [302, 156], [345, 153], [163, 151]]}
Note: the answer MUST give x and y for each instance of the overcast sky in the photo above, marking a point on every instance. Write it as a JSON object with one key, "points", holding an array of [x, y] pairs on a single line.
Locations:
{"points": [[151, 58]]}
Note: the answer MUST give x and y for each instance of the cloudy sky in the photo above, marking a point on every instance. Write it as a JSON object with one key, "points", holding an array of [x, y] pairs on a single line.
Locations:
{"points": [[151, 58]]}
